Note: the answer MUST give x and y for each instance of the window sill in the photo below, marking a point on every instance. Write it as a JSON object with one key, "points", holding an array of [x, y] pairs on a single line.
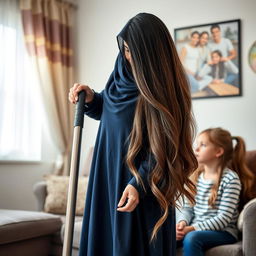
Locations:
{"points": [[23, 162]]}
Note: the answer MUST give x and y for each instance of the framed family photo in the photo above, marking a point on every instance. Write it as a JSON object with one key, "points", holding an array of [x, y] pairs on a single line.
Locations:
{"points": [[211, 56]]}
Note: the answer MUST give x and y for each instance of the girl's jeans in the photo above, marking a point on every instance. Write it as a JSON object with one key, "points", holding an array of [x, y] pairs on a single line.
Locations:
{"points": [[196, 242]]}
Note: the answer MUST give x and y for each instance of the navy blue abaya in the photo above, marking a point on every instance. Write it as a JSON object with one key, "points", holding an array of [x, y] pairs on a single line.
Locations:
{"points": [[105, 231]]}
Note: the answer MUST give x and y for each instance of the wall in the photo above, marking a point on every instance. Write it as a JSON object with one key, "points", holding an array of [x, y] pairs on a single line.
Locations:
{"points": [[100, 22], [17, 179]]}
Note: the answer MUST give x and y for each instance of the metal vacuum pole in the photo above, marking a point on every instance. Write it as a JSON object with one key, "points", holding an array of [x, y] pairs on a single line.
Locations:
{"points": [[74, 173]]}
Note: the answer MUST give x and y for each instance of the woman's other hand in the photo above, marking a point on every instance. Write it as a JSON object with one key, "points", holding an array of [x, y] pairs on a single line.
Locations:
{"points": [[129, 199], [73, 93]]}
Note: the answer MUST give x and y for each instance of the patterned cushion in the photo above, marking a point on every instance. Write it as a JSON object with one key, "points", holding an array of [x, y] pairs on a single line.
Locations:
{"points": [[57, 190]]}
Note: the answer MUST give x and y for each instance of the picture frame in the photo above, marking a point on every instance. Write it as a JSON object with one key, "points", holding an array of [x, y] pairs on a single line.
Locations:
{"points": [[211, 56]]}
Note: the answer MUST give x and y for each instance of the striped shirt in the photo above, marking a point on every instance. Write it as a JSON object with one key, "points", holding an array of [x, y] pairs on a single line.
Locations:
{"points": [[225, 214]]}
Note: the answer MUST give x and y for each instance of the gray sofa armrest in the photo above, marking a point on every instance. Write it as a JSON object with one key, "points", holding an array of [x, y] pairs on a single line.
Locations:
{"points": [[40, 193], [249, 230]]}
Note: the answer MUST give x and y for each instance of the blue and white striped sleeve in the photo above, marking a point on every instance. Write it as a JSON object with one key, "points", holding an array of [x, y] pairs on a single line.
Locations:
{"points": [[227, 207], [186, 213]]}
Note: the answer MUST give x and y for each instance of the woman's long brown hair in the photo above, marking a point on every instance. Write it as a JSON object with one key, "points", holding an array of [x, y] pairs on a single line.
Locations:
{"points": [[233, 158], [163, 114]]}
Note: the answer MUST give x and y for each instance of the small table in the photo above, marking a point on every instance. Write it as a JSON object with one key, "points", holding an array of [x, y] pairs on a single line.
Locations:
{"points": [[223, 89]]}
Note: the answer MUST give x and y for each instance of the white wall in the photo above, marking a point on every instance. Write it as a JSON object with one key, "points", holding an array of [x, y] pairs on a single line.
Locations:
{"points": [[17, 179], [100, 21]]}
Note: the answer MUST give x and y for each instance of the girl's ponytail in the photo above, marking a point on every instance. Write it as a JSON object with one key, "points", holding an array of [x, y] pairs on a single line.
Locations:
{"points": [[238, 164]]}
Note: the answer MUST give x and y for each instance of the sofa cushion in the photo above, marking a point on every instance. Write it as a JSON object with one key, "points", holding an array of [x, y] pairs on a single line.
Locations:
{"points": [[230, 250], [16, 225], [76, 234], [241, 216], [57, 190]]}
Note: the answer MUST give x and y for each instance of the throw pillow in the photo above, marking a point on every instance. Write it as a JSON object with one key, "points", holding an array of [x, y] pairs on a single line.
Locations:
{"points": [[57, 192]]}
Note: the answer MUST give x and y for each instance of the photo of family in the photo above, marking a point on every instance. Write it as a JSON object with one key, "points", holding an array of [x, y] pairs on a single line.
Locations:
{"points": [[210, 55]]}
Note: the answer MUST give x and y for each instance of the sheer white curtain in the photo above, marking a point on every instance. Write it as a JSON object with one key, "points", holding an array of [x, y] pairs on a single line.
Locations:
{"points": [[48, 30], [20, 106]]}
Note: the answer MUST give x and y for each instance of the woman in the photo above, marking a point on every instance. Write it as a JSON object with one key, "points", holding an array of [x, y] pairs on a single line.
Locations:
{"points": [[143, 153], [190, 59], [190, 54], [204, 51]]}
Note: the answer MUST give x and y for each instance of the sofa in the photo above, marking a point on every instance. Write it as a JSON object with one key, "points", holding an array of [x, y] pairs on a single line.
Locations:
{"points": [[246, 246], [40, 191], [27, 233], [48, 200]]}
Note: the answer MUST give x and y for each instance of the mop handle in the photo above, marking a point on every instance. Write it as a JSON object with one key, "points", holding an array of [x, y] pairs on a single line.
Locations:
{"points": [[79, 114], [74, 173]]}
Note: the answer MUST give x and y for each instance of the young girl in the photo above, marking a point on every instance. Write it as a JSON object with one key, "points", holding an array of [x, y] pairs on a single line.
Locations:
{"points": [[219, 71], [221, 175], [143, 153]]}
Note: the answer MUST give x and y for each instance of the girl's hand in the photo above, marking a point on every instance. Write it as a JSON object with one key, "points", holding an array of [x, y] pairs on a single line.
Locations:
{"points": [[130, 195], [188, 229], [73, 93], [180, 233]]}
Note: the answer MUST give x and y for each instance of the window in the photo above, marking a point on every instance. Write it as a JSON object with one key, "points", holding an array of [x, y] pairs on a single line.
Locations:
{"points": [[20, 105]]}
